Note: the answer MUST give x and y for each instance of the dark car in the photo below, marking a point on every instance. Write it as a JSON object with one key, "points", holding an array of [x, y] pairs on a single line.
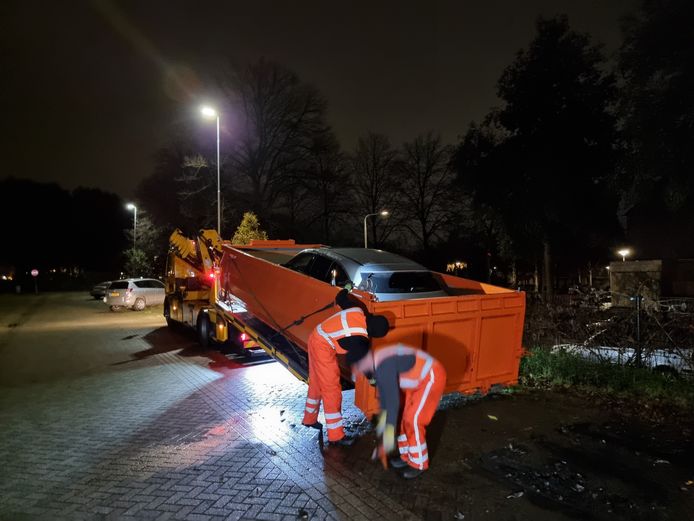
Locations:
{"points": [[99, 290]]}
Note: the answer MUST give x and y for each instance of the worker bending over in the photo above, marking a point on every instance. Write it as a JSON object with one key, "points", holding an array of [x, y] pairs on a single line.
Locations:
{"points": [[421, 380], [346, 330]]}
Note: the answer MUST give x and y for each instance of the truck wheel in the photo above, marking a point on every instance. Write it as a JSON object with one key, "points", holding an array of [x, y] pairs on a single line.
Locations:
{"points": [[203, 329], [167, 314], [139, 304]]}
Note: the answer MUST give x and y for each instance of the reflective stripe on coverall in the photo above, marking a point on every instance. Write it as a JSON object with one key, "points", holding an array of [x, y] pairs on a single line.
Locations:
{"points": [[422, 387], [323, 370]]}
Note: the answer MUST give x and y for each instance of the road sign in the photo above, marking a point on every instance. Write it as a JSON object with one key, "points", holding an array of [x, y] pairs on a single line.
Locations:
{"points": [[34, 273]]}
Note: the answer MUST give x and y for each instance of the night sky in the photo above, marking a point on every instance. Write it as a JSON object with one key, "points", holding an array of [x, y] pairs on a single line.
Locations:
{"points": [[90, 90]]}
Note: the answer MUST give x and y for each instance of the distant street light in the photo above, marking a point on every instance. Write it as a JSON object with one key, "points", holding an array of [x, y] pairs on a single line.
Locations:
{"points": [[133, 208], [209, 112], [624, 252], [384, 213]]}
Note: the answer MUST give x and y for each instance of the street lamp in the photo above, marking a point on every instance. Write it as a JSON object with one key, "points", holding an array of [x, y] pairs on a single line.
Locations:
{"points": [[384, 213], [624, 252], [209, 112], [133, 208]]}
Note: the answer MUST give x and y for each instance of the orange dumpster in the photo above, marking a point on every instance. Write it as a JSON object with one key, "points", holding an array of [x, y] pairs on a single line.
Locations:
{"points": [[475, 332]]}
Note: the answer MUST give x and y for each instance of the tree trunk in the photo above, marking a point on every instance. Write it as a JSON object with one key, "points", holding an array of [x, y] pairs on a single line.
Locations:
{"points": [[536, 279], [514, 274], [547, 289], [590, 274]]}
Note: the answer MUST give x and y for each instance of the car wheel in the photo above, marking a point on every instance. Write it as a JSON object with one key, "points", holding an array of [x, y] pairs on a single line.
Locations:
{"points": [[203, 329], [114, 308], [139, 304], [666, 370]]}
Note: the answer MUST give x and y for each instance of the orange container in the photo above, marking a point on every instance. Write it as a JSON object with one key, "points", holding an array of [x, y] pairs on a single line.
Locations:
{"points": [[475, 332], [476, 335]]}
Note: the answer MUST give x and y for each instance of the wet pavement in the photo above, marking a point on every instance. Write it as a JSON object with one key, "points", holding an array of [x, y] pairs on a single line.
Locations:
{"points": [[114, 416]]}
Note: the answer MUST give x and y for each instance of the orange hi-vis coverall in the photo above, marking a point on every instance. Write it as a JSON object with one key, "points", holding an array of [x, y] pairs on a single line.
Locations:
{"points": [[323, 370], [421, 379]]}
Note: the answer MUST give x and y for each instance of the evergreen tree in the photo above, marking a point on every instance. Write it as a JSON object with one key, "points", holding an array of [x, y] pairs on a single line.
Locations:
{"points": [[248, 230]]}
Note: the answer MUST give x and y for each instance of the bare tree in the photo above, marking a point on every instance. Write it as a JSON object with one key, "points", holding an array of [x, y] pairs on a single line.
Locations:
{"points": [[329, 184], [374, 175], [281, 118], [427, 187]]}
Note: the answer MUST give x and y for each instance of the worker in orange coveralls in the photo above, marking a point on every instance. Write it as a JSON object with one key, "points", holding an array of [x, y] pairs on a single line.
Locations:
{"points": [[348, 329], [420, 378]]}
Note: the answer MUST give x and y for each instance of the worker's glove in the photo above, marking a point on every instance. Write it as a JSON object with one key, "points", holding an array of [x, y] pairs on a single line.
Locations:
{"points": [[381, 424], [389, 439]]}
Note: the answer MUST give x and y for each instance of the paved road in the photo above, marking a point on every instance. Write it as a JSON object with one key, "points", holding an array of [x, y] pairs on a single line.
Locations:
{"points": [[112, 415]]}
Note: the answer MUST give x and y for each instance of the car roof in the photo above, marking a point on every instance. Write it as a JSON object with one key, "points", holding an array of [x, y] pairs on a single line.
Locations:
{"points": [[369, 258], [135, 279]]}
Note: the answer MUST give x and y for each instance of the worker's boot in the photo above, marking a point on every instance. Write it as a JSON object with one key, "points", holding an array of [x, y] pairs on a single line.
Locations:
{"points": [[316, 425], [411, 473], [397, 462], [345, 441]]}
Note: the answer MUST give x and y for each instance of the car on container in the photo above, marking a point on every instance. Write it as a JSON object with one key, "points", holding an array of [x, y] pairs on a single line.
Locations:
{"points": [[385, 275]]}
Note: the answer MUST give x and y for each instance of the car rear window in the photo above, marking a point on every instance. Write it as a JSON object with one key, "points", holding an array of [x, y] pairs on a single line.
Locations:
{"points": [[400, 282], [123, 284]]}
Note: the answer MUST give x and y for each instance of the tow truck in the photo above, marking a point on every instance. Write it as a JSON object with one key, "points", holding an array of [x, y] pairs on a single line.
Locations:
{"points": [[243, 294]]}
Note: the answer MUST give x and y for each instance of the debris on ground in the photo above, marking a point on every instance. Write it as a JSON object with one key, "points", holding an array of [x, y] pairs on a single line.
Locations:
{"points": [[515, 495], [492, 417]]}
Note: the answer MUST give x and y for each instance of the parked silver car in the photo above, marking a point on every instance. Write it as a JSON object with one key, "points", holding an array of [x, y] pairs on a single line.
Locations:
{"points": [[386, 275], [134, 294]]}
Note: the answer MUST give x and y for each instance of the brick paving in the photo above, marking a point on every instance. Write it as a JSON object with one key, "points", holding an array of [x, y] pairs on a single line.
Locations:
{"points": [[112, 416]]}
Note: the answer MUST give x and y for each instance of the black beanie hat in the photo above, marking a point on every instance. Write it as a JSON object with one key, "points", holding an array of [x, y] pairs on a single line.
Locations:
{"points": [[357, 351], [343, 301], [376, 326]]}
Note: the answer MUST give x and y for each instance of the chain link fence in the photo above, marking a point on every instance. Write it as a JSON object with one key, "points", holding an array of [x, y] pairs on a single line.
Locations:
{"points": [[652, 333]]}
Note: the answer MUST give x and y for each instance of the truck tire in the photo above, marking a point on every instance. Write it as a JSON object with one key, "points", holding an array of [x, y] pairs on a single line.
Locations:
{"points": [[203, 330], [139, 304], [167, 314]]}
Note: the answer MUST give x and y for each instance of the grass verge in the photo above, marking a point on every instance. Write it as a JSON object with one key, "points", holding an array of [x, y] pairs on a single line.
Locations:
{"points": [[542, 368]]}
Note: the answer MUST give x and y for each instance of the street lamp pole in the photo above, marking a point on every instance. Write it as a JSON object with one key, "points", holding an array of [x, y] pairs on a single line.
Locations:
{"points": [[212, 113], [132, 207], [383, 213], [219, 192]]}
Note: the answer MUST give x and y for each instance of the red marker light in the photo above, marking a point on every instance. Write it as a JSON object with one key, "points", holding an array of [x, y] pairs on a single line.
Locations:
{"points": [[211, 275], [243, 337]]}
